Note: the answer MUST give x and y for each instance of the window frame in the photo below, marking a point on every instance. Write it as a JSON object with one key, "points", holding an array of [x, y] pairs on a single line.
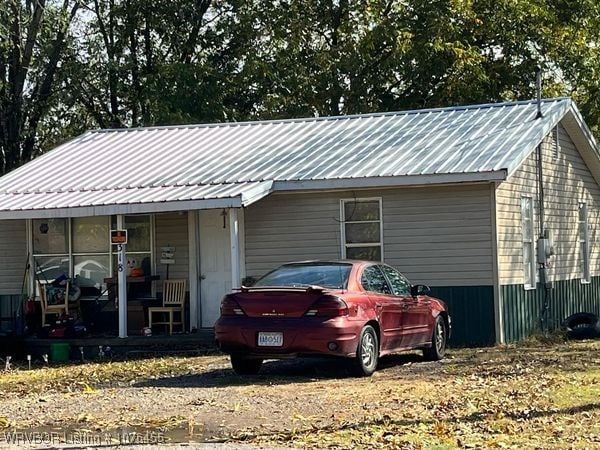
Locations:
{"points": [[77, 254], [584, 252], [529, 271], [72, 255], [344, 244], [556, 144]]}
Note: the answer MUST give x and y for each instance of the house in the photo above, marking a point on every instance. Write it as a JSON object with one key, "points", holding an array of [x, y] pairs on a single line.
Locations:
{"points": [[456, 198]]}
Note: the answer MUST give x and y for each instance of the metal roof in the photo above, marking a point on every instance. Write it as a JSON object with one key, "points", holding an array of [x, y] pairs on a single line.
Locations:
{"points": [[235, 164]]}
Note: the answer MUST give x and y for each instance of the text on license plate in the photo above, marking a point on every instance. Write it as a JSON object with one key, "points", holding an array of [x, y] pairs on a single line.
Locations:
{"points": [[270, 339]]}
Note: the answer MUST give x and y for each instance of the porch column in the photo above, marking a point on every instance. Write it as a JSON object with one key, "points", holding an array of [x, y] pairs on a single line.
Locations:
{"points": [[234, 239], [122, 279], [193, 270]]}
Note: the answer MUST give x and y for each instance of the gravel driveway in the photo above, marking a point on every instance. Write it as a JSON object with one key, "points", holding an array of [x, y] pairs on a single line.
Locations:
{"points": [[510, 397]]}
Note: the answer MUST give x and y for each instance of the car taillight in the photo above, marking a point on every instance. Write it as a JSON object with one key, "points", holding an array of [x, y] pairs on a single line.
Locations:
{"points": [[229, 307], [328, 307]]}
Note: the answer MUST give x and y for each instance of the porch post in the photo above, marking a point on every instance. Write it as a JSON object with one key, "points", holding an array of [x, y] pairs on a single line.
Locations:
{"points": [[234, 239], [122, 280], [193, 272]]}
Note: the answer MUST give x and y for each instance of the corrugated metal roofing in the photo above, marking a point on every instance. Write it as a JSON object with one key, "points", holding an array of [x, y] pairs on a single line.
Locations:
{"points": [[241, 162]]}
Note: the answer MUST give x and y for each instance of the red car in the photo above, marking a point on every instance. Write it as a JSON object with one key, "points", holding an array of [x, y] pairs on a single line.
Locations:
{"points": [[354, 309]]}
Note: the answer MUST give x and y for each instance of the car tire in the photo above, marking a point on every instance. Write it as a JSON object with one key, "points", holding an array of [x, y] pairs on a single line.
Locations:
{"points": [[582, 325], [367, 353], [439, 341], [242, 365]]}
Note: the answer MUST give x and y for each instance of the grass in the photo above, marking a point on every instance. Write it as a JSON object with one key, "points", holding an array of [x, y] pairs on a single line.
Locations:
{"points": [[578, 390], [540, 394], [95, 375]]}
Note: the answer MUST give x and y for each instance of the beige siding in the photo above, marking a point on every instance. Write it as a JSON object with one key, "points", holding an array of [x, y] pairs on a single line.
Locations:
{"points": [[13, 248], [567, 181], [172, 230], [440, 236], [283, 228]]}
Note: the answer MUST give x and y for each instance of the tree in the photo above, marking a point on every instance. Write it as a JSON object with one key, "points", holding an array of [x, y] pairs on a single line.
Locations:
{"points": [[66, 67], [32, 42], [330, 57], [165, 61]]}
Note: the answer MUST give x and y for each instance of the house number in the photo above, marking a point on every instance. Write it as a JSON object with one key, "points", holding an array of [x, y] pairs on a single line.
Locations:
{"points": [[120, 265]]}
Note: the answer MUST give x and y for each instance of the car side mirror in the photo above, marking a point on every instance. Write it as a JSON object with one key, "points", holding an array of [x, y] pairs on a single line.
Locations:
{"points": [[419, 289]]}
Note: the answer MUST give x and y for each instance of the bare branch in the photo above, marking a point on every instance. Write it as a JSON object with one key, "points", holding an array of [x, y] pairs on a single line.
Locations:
{"points": [[41, 92], [190, 45], [32, 35]]}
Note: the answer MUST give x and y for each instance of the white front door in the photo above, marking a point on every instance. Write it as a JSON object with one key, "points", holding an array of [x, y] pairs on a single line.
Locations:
{"points": [[215, 263]]}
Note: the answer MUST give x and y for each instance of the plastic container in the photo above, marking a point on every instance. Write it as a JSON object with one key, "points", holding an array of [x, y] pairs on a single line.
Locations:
{"points": [[59, 352]]}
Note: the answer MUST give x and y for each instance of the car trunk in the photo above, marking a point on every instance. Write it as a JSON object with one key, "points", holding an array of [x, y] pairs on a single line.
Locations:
{"points": [[277, 302]]}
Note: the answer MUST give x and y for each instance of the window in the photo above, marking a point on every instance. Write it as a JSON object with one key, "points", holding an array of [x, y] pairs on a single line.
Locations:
{"points": [[528, 242], [400, 285], [50, 248], [139, 246], [362, 229], [584, 244], [80, 248], [91, 251], [329, 275], [555, 144], [138, 252], [373, 280]]}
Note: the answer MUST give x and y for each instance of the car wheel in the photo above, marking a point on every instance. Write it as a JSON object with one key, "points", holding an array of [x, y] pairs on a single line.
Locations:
{"points": [[367, 352], [242, 365], [439, 340]]}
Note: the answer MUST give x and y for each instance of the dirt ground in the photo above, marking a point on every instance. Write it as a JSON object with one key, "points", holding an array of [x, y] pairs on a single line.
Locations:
{"points": [[529, 396]]}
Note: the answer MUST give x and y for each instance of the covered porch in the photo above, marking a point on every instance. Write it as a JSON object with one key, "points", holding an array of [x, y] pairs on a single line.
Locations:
{"points": [[179, 227], [203, 247]]}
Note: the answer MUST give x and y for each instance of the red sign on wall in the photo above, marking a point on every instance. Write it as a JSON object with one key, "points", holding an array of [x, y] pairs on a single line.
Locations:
{"points": [[118, 237]]}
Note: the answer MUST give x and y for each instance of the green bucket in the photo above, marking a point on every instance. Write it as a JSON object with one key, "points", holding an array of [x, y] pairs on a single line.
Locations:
{"points": [[59, 352]]}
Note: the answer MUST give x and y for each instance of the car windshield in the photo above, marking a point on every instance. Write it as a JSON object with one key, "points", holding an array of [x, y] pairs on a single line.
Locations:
{"points": [[329, 275]]}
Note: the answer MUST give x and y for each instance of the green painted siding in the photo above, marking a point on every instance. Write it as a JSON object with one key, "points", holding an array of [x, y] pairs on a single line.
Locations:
{"points": [[522, 309], [472, 312]]}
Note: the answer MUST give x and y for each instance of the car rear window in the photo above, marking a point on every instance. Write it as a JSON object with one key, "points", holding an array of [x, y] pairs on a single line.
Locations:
{"points": [[328, 275]]}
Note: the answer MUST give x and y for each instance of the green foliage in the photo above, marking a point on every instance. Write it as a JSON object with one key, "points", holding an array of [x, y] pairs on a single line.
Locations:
{"points": [[122, 63], [33, 36]]}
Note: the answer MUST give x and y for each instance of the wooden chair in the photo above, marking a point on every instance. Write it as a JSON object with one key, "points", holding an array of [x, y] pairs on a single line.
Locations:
{"points": [[173, 303], [51, 308]]}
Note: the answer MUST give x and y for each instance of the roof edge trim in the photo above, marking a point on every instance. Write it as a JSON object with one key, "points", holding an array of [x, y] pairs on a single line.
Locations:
{"points": [[135, 208], [584, 140], [326, 118], [255, 193], [392, 181]]}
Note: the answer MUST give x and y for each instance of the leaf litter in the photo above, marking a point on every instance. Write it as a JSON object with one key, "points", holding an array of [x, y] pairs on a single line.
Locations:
{"points": [[522, 396]]}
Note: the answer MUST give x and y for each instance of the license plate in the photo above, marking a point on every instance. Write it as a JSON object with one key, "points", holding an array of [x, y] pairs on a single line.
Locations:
{"points": [[272, 339]]}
